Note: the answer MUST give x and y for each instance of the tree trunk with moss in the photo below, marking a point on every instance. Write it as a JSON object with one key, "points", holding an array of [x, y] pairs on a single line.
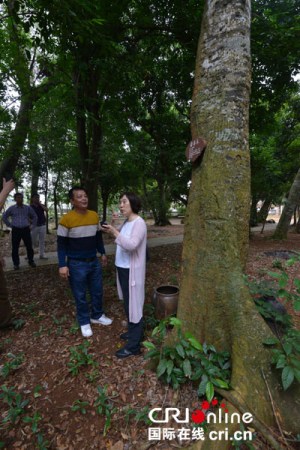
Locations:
{"points": [[214, 303], [288, 210]]}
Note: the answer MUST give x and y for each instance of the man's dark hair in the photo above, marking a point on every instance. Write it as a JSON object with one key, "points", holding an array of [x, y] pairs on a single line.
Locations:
{"points": [[35, 195], [75, 188], [18, 194], [134, 200]]}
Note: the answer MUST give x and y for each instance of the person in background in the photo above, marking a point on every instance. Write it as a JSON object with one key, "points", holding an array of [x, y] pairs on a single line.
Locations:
{"points": [[78, 240], [21, 219], [130, 261], [5, 307], [38, 233]]}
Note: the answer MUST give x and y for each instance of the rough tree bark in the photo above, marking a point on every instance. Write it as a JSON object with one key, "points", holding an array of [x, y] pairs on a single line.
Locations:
{"points": [[214, 303], [89, 130], [288, 210]]}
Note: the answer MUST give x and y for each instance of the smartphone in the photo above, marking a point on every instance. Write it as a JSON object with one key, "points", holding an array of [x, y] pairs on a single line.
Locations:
{"points": [[103, 222]]}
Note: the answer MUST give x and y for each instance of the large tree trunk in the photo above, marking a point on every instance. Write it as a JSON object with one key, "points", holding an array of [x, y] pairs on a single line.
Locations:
{"points": [[105, 197], [55, 199], [288, 210], [214, 303], [162, 206], [35, 166], [89, 131]]}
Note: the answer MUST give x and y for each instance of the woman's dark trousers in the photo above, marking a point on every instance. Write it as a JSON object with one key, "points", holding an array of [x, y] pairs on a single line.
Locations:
{"points": [[135, 330]]}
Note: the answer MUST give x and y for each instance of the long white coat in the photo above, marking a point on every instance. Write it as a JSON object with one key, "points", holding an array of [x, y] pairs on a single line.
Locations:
{"points": [[136, 245]]}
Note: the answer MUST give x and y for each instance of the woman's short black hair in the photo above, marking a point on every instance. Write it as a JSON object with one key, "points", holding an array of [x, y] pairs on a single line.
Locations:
{"points": [[134, 200]]}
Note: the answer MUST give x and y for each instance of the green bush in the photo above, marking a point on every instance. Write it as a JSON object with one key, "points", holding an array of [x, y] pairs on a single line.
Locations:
{"points": [[188, 360]]}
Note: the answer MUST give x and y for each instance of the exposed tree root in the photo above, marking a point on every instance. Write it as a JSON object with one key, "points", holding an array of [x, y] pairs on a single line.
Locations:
{"points": [[266, 432]]}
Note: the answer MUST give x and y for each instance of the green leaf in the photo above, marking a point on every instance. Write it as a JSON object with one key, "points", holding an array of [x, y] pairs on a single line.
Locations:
{"points": [[287, 346], [152, 354], [202, 388], [180, 350], [175, 382], [297, 305], [196, 344], [162, 367], [209, 391], [297, 283], [287, 377], [155, 330], [295, 362], [271, 341], [98, 21], [175, 322], [226, 365], [281, 362], [170, 366], [282, 283], [221, 383], [187, 368], [149, 345], [274, 274], [297, 374]]}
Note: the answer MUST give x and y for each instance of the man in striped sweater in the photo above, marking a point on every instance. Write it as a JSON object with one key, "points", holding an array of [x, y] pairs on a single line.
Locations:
{"points": [[78, 240]]}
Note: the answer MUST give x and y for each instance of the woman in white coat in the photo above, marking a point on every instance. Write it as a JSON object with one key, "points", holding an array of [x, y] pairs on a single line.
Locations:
{"points": [[130, 261]]}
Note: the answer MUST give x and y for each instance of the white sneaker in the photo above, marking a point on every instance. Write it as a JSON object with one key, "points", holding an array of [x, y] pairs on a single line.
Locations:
{"points": [[103, 320], [86, 330]]}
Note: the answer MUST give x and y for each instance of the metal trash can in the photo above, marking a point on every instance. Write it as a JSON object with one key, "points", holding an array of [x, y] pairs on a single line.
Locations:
{"points": [[165, 301]]}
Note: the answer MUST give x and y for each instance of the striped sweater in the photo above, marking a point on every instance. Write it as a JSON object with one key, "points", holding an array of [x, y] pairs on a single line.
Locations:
{"points": [[79, 236]]}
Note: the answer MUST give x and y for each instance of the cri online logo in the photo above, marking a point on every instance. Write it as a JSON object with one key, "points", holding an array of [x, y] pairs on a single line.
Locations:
{"points": [[200, 415]]}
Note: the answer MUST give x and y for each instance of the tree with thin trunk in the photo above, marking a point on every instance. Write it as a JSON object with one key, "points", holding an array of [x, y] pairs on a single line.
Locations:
{"points": [[215, 305], [292, 201]]}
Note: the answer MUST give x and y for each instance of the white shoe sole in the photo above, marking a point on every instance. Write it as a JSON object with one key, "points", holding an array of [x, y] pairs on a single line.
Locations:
{"points": [[109, 322], [88, 333]]}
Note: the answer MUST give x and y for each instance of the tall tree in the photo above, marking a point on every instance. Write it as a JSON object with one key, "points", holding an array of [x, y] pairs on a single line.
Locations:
{"points": [[214, 303], [28, 77], [90, 35], [291, 203]]}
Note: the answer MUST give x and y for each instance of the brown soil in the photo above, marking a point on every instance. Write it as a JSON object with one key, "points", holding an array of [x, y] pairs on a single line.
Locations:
{"points": [[44, 378]]}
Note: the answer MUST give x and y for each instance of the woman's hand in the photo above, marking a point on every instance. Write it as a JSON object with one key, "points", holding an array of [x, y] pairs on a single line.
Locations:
{"points": [[8, 186], [110, 229]]}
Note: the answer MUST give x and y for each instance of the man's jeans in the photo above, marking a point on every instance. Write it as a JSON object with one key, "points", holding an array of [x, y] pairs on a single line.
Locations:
{"points": [[38, 234], [86, 277]]}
